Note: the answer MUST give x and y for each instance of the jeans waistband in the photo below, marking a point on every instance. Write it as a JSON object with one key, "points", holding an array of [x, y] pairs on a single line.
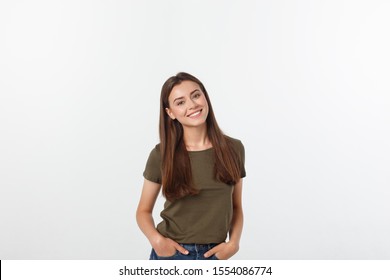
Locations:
{"points": [[196, 246]]}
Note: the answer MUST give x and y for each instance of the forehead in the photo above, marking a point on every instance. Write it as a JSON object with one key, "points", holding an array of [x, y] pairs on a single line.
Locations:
{"points": [[183, 89]]}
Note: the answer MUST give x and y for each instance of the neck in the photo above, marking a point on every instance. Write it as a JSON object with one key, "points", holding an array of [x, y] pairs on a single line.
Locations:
{"points": [[195, 138]]}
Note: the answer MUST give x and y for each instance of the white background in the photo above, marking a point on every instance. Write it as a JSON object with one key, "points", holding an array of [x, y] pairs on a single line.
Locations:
{"points": [[304, 84]]}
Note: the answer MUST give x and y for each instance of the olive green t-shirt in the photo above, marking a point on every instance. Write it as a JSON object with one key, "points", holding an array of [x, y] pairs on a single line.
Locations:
{"points": [[203, 218]]}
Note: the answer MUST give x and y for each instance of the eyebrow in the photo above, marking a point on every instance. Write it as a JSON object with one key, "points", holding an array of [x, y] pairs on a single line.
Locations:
{"points": [[182, 97], [178, 98]]}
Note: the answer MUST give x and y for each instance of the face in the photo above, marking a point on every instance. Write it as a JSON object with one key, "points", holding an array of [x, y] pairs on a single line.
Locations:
{"points": [[188, 104]]}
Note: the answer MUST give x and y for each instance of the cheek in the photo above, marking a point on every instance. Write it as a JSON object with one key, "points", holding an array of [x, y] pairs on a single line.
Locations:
{"points": [[178, 112], [204, 103]]}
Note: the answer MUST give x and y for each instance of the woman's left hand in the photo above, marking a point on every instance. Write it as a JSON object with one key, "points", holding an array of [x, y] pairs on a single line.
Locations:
{"points": [[223, 251]]}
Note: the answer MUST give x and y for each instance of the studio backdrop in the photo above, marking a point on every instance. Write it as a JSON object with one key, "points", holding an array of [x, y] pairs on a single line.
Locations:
{"points": [[303, 84]]}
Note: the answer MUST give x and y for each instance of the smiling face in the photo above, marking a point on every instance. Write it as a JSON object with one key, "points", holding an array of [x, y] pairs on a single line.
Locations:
{"points": [[188, 104]]}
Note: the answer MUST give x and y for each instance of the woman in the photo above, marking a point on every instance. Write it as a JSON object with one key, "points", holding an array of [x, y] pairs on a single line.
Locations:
{"points": [[200, 170]]}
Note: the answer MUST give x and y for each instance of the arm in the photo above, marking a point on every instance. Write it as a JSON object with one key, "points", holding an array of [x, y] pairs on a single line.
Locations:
{"points": [[162, 245], [228, 249], [238, 217]]}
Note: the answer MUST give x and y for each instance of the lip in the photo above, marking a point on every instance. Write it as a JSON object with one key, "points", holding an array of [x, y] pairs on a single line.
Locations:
{"points": [[192, 114]]}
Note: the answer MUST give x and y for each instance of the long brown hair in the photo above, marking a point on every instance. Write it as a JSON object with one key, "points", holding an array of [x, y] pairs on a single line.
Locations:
{"points": [[176, 166]]}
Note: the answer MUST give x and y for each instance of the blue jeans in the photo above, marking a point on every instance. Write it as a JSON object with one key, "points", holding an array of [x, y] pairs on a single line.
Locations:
{"points": [[196, 252]]}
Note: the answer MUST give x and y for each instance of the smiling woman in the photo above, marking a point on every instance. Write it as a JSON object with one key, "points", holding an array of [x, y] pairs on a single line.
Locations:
{"points": [[189, 104], [200, 171]]}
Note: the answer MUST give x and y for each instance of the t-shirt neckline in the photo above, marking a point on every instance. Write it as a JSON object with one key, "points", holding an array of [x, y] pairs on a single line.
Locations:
{"points": [[200, 151]]}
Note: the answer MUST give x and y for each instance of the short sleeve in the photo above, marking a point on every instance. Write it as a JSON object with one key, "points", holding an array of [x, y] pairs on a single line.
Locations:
{"points": [[241, 154], [152, 170]]}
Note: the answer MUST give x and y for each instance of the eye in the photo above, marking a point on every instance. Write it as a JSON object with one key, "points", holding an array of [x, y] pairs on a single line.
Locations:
{"points": [[180, 103], [196, 95]]}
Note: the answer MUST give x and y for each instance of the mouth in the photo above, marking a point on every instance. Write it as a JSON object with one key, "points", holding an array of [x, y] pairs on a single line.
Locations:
{"points": [[195, 114]]}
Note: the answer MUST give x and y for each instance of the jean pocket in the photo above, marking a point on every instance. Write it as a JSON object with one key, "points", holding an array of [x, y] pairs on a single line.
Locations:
{"points": [[168, 257]]}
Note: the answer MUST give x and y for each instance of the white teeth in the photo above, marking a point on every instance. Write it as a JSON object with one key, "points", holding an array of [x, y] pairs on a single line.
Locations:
{"points": [[194, 114]]}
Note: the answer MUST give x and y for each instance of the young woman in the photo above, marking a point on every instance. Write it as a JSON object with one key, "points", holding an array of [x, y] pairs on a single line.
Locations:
{"points": [[200, 171]]}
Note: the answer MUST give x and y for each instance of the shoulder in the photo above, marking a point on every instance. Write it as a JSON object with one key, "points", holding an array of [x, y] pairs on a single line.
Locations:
{"points": [[236, 143], [155, 153], [152, 170], [238, 148], [156, 149]]}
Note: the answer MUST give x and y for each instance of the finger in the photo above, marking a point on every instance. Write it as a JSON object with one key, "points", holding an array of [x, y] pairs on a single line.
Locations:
{"points": [[181, 249], [210, 252], [177, 246]]}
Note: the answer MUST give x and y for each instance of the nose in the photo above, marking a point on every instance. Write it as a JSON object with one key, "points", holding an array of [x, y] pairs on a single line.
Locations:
{"points": [[192, 104]]}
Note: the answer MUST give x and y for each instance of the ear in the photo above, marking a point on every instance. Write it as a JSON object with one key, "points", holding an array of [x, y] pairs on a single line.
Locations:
{"points": [[170, 114]]}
